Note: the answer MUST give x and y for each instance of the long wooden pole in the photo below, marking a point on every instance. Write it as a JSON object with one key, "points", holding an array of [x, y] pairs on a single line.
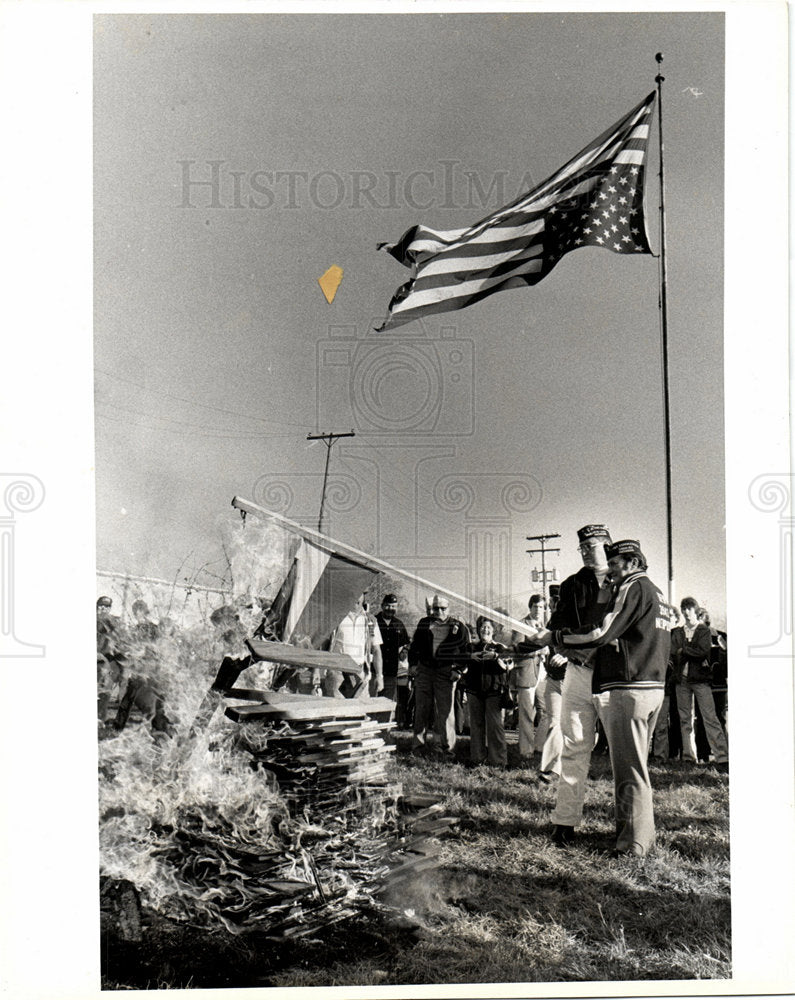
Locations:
{"points": [[664, 331], [378, 565]]}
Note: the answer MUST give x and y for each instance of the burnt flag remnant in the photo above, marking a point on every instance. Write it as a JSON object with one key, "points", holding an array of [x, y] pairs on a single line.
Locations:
{"points": [[596, 199]]}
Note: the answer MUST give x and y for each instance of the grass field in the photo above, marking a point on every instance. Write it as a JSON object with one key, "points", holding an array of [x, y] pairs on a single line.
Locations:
{"points": [[503, 904], [506, 905]]}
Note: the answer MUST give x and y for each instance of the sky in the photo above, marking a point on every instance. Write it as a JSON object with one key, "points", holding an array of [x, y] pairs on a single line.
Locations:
{"points": [[534, 412]]}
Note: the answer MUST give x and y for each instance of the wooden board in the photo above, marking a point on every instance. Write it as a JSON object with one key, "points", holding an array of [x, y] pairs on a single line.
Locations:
{"points": [[298, 707], [297, 656]]}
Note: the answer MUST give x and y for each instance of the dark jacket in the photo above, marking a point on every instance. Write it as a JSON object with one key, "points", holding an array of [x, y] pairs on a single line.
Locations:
{"points": [[694, 654], [577, 607], [394, 635], [484, 675], [453, 651], [719, 661], [635, 637]]}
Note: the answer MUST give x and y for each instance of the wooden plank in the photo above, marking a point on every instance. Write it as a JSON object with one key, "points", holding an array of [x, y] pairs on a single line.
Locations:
{"points": [[287, 698], [371, 562], [246, 694], [297, 656], [332, 708]]}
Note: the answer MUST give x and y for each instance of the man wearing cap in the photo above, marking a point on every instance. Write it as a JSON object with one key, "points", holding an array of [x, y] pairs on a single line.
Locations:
{"points": [[635, 637], [583, 600], [439, 651], [394, 638]]}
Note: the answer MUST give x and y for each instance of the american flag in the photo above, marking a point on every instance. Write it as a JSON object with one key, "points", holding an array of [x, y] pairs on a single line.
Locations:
{"points": [[596, 199]]}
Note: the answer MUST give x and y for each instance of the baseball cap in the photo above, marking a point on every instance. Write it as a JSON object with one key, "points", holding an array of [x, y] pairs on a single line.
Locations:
{"points": [[593, 531], [626, 547]]}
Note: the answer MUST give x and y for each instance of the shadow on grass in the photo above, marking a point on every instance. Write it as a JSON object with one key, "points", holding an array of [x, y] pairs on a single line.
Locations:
{"points": [[625, 904], [175, 956]]}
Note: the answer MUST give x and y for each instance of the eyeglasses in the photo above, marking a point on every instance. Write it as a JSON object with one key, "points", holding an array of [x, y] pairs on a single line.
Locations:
{"points": [[589, 547]]}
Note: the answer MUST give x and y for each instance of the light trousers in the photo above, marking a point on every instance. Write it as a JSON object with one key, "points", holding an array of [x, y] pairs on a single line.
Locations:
{"points": [[525, 700], [553, 737], [629, 716], [579, 711], [433, 695], [658, 743], [702, 693]]}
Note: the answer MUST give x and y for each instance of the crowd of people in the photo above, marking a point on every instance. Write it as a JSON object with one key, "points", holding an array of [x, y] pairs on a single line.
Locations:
{"points": [[607, 666]]}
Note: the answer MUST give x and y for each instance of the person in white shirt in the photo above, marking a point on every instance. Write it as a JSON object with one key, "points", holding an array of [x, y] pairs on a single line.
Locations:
{"points": [[525, 676], [357, 635]]}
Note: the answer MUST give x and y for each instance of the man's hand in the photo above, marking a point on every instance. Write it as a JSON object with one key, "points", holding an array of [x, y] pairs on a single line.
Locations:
{"points": [[556, 660]]}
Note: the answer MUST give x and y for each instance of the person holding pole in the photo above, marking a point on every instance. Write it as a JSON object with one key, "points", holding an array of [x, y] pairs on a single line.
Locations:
{"points": [[584, 599], [635, 635]]}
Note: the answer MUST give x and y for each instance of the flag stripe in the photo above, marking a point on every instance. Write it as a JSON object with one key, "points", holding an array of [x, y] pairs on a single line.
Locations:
{"points": [[596, 199], [452, 266], [459, 302], [465, 288]]}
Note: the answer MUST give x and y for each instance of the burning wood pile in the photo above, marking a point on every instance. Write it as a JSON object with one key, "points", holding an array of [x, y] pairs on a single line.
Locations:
{"points": [[347, 836], [322, 869]]}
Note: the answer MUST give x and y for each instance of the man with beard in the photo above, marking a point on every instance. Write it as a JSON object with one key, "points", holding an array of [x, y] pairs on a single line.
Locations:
{"points": [[635, 635], [394, 638]]}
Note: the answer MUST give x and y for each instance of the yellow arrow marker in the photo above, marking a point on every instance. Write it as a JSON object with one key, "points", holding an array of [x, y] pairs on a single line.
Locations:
{"points": [[330, 282]]}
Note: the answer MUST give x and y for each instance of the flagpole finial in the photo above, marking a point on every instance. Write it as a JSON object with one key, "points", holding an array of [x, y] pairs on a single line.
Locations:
{"points": [[659, 78]]}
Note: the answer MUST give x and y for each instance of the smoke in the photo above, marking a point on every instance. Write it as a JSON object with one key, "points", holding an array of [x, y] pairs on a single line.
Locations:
{"points": [[259, 554]]}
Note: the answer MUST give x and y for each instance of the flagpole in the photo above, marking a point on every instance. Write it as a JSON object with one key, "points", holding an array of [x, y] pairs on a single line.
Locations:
{"points": [[663, 304]]}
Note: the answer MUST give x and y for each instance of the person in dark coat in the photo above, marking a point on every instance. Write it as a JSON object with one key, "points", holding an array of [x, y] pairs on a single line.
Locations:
{"points": [[439, 651], [691, 650], [584, 599], [486, 683], [394, 639]]}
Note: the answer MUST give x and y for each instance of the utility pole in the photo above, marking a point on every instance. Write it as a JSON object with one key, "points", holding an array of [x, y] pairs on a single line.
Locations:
{"points": [[543, 539], [328, 439]]}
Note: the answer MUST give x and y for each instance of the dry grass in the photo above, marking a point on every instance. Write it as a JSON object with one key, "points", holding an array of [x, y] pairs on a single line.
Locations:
{"points": [[503, 905], [506, 905]]}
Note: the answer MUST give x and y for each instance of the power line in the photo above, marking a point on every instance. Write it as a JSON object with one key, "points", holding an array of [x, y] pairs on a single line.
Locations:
{"points": [[205, 406], [230, 436]]}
